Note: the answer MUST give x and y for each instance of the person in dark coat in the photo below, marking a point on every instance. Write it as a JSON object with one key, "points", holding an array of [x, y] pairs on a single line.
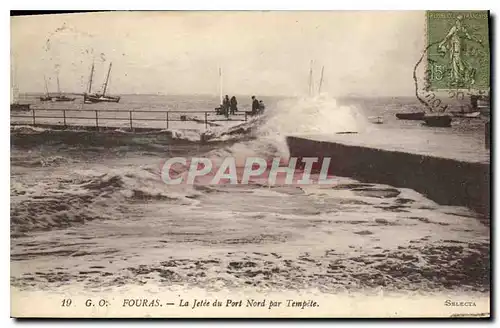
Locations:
{"points": [[233, 105], [225, 105], [255, 105], [262, 107]]}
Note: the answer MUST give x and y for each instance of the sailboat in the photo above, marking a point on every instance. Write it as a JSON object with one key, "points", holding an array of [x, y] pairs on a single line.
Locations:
{"points": [[59, 98], [47, 96], [89, 98]]}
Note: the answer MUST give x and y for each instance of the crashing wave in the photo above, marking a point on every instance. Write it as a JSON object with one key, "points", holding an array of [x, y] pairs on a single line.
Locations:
{"points": [[265, 135], [89, 195]]}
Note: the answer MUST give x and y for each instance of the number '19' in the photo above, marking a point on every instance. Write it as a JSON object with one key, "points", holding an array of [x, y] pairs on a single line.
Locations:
{"points": [[66, 302]]}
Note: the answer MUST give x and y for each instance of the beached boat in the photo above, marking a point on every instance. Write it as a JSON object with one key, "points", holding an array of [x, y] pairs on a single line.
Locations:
{"points": [[438, 120], [415, 116], [90, 98]]}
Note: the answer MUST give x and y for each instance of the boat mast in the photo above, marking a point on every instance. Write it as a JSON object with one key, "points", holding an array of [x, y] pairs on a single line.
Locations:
{"points": [[46, 87], [220, 85], [91, 76], [107, 79], [14, 90], [311, 79], [58, 87], [321, 80]]}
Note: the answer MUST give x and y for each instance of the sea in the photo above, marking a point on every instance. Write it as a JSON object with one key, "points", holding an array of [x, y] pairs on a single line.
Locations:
{"points": [[90, 209]]}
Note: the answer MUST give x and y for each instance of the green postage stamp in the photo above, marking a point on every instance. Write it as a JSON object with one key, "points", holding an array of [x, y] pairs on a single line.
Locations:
{"points": [[458, 54]]}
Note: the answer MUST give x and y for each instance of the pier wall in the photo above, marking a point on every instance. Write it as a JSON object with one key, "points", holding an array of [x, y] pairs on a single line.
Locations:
{"points": [[445, 181], [58, 127]]}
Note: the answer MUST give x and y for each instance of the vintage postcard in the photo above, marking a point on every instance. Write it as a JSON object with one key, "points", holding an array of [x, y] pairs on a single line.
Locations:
{"points": [[278, 164]]}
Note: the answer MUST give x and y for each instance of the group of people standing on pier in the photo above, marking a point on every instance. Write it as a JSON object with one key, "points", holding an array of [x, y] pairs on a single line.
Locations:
{"points": [[230, 106]]}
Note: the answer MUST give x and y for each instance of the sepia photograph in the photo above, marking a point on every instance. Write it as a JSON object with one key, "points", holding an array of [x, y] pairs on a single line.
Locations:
{"points": [[250, 164]]}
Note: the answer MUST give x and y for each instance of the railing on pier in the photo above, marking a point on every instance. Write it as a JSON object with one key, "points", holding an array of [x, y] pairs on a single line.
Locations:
{"points": [[34, 116]]}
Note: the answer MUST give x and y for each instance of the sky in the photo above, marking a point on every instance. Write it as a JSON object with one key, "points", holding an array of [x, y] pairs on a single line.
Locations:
{"points": [[262, 53]]}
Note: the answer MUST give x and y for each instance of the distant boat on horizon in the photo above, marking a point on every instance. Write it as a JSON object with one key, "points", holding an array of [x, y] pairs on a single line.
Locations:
{"points": [[89, 98]]}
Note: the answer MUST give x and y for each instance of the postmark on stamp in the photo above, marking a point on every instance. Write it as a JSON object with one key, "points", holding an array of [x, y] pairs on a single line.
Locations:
{"points": [[458, 54]]}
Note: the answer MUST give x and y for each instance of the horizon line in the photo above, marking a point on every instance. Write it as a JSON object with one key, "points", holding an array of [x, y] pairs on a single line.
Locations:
{"points": [[37, 93]]}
